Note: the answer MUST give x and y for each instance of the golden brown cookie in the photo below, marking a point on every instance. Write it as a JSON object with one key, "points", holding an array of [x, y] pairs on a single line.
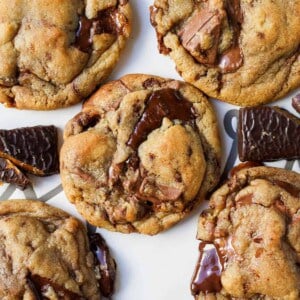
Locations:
{"points": [[54, 53], [141, 155], [250, 245], [46, 254], [241, 52]]}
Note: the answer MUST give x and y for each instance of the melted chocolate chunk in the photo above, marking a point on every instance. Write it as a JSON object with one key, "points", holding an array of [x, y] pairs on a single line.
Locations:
{"points": [[31, 148], [232, 58], [161, 103], [268, 133], [106, 264], [40, 285], [296, 103], [201, 35], [207, 275], [11, 174], [107, 21]]}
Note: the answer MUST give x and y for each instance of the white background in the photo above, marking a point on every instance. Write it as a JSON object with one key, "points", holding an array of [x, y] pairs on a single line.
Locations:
{"points": [[149, 268]]}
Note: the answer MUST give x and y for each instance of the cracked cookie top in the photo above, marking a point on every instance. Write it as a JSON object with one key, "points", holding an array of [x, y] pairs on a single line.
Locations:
{"points": [[242, 52], [45, 252], [250, 246], [142, 153], [54, 53]]}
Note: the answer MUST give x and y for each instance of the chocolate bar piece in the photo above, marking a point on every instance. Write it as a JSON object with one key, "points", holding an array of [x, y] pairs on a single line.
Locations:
{"points": [[296, 103], [33, 149], [104, 263], [11, 174], [268, 133]]}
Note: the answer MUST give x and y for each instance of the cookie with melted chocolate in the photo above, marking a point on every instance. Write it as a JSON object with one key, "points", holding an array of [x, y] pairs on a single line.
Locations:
{"points": [[51, 255], [241, 52], [249, 246], [141, 155], [54, 53]]}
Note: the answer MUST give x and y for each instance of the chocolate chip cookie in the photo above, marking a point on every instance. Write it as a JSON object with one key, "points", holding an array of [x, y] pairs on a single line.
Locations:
{"points": [[46, 254], [250, 246], [141, 155], [241, 52], [54, 53]]}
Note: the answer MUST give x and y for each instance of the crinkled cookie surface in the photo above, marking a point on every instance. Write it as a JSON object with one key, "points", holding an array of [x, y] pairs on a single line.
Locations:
{"points": [[252, 230], [142, 153], [44, 253], [244, 52], [54, 53]]}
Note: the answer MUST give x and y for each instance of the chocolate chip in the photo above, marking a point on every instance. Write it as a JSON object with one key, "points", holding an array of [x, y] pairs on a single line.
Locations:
{"points": [[106, 264], [11, 174], [33, 149], [268, 133]]}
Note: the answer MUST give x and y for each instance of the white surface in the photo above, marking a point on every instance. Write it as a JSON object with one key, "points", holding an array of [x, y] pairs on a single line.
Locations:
{"points": [[149, 268]]}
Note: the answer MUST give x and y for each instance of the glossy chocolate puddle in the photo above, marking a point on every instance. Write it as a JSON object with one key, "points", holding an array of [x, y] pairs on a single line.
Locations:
{"points": [[207, 275]]}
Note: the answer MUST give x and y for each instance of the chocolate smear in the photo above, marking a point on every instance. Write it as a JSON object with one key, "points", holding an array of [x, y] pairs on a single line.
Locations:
{"points": [[207, 275], [11, 174], [268, 133], [105, 264], [33, 149]]}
